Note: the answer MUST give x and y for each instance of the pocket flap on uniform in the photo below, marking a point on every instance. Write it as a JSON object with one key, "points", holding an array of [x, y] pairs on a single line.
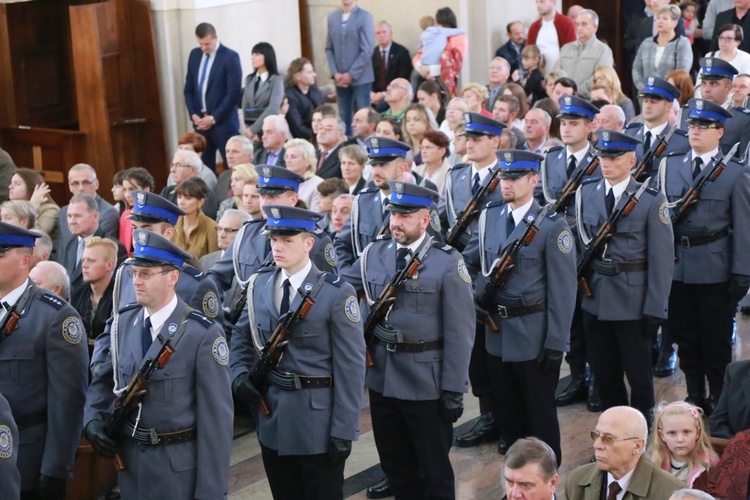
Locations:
{"points": [[183, 457], [421, 286], [20, 351], [428, 356], [172, 370], [320, 399]]}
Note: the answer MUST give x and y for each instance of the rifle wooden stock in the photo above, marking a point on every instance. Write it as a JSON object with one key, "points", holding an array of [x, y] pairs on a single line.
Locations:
{"points": [[693, 194]]}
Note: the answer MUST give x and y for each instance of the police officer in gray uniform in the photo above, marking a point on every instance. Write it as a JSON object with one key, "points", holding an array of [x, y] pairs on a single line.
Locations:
{"points": [[712, 244], [10, 479], [534, 308], [44, 367], [462, 181], [308, 435], [251, 248], [369, 216], [178, 443], [629, 280], [421, 351], [159, 215]]}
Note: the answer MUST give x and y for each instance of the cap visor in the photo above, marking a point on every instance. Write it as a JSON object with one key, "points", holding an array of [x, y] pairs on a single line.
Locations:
{"points": [[473, 133], [146, 218], [403, 209], [611, 154], [141, 261], [652, 96], [273, 190], [515, 174]]}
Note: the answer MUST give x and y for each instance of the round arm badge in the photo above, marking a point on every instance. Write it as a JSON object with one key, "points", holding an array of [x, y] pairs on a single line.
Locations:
{"points": [[463, 272], [351, 308], [211, 305], [330, 255], [664, 214], [72, 330], [220, 351], [6, 442], [565, 242]]}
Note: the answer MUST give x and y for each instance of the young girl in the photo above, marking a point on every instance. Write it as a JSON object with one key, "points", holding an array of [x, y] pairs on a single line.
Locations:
{"points": [[680, 443], [533, 81]]}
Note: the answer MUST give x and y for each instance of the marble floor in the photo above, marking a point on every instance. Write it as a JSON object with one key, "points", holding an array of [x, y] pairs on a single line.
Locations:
{"points": [[477, 469]]}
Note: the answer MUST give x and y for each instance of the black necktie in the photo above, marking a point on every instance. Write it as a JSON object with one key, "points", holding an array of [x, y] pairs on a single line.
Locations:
{"points": [[571, 166], [614, 489], [510, 226], [609, 200], [401, 254], [255, 87], [146, 339], [697, 167], [285, 297], [475, 185], [646, 145]]}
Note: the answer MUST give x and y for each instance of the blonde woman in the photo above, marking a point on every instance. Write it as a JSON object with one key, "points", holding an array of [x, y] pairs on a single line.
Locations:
{"points": [[20, 213], [241, 175], [476, 96], [300, 159], [418, 119], [454, 116], [606, 75]]}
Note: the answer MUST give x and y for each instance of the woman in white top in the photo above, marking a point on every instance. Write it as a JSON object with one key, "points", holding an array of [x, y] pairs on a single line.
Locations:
{"points": [[435, 164], [730, 38], [300, 158], [454, 116]]}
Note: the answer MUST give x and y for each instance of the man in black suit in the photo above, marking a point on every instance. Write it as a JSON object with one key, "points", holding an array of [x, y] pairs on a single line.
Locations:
{"points": [[390, 60], [732, 413], [275, 135], [331, 137], [212, 91], [83, 223], [511, 51]]}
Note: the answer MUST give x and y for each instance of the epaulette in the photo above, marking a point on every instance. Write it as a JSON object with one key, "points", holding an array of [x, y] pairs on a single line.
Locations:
{"points": [[53, 300], [383, 237], [266, 268], [592, 180], [200, 318], [652, 191], [552, 215], [442, 246], [742, 110], [193, 272], [494, 203], [318, 231], [555, 149], [458, 166], [371, 189], [633, 125], [128, 307], [675, 153], [333, 279]]}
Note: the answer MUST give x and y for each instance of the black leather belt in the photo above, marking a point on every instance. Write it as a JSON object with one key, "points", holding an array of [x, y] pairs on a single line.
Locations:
{"points": [[292, 382], [609, 268], [695, 241], [31, 420], [515, 311], [393, 341], [150, 437]]}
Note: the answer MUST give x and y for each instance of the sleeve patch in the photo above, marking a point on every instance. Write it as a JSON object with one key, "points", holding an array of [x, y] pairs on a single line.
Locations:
{"points": [[220, 351], [210, 305], [463, 272], [351, 308], [664, 213], [435, 221], [6, 442], [330, 254], [565, 242], [72, 330]]}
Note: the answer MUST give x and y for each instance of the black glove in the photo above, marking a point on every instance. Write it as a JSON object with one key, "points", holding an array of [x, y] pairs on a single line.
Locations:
{"points": [[550, 359], [738, 286], [338, 451], [244, 389], [51, 488], [481, 314], [651, 325], [100, 441], [453, 405]]}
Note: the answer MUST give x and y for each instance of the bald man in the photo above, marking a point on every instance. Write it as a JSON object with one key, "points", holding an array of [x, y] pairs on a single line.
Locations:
{"points": [[53, 277], [621, 462], [398, 95]]}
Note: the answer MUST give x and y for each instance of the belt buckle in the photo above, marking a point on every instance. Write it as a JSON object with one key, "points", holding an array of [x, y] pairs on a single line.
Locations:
{"points": [[685, 241], [153, 437], [391, 346], [502, 311]]}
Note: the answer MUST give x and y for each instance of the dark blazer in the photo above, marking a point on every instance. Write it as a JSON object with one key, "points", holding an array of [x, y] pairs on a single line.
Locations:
{"points": [[398, 65], [508, 53], [331, 166], [223, 89], [732, 413], [301, 107], [261, 155], [361, 184], [66, 256], [727, 17]]}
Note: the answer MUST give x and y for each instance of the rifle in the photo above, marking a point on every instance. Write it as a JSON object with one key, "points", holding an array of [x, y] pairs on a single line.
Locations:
{"points": [[690, 198], [569, 189], [10, 322], [603, 234], [233, 316], [272, 352], [639, 172], [505, 263], [382, 306], [471, 210]]}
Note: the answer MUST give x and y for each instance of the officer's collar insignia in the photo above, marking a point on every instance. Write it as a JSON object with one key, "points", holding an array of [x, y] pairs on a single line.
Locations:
{"points": [[275, 213], [266, 171], [699, 104], [141, 198], [142, 238], [308, 287], [651, 81], [605, 135], [530, 218], [172, 328], [508, 157]]}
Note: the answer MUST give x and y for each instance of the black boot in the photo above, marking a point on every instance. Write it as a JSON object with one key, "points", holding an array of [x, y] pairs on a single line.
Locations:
{"points": [[484, 430], [696, 389], [575, 392], [709, 404], [666, 364], [380, 489], [593, 402], [502, 446]]}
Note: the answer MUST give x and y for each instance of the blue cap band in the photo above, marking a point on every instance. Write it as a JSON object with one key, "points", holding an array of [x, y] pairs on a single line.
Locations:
{"points": [[388, 152], [410, 200], [480, 127], [658, 91], [159, 212], [304, 225], [521, 165], [16, 240], [578, 111], [704, 114], [158, 254], [714, 71], [278, 182], [626, 146]]}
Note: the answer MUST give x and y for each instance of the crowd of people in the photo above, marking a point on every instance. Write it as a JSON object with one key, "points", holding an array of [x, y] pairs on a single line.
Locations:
{"points": [[352, 227]]}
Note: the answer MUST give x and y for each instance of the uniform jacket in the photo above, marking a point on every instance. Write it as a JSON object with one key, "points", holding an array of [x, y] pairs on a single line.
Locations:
{"points": [[677, 144], [193, 389], [223, 89], [10, 479], [368, 218], [736, 129], [349, 49], [648, 482], [555, 170], [732, 413], [398, 65], [301, 107], [44, 373], [644, 235], [328, 342], [109, 220], [433, 306], [545, 270], [723, 204], [268, 98], [457, 193]]}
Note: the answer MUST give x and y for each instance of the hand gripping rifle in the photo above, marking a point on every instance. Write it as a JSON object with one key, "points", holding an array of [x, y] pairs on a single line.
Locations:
{"points": [[640, 171], [471, 210], [505, 263]]}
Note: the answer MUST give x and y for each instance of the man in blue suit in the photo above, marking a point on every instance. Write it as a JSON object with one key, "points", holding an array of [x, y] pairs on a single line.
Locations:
{"points": [[212, 91]]}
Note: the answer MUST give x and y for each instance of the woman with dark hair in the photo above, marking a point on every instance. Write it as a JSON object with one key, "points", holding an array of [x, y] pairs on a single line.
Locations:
{"points": [[730, 38], [451, 60], [304, 97], [133, 179], [431, 96], [388, 127], [28, 185], [195, 231], [519, 93], [435, 151], [264, 90], [553, 110], [118, 192]]}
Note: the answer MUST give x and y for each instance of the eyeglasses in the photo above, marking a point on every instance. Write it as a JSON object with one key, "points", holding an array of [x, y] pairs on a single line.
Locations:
{"points": [[702, 128], [76, 184], [726, 39], [220, 229], [146, 275], [607, 440], [178, 165], [395, 86]]}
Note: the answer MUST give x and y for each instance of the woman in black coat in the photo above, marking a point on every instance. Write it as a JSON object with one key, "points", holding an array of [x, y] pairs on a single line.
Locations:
{"points": [[303, 98]]}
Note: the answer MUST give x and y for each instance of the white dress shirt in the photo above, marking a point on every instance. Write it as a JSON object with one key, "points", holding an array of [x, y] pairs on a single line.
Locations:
{"points": [[520, 212], [295, 281], [160, 317], [624, 483], [13, 297]]}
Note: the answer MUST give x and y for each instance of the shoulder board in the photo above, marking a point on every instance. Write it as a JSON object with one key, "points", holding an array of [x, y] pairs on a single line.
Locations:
{"points": [[459, 166], [193, 272], [442, 246], [555, 149], [372, 189], [675, 153], [652, 191], [592, 180], [333, 279], [552, 215], [383, 237], [266, 269], [256, 220], [495, 203], [53, 300], [742, 110], [128, 307], [200, 318], [318, 231], [632, 125]]}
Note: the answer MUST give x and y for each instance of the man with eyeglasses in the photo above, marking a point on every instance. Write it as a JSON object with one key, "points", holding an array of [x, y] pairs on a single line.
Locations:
{"points": [[711, 245], [622, 467], [398, 95], [82, 179], [178, 443], [186, 164]]}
